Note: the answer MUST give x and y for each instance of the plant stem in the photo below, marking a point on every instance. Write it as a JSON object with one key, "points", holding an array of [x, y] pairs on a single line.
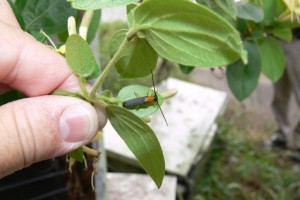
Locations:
{"points": [[108, 99], [82, 85], [68, 93], [111, 63]]}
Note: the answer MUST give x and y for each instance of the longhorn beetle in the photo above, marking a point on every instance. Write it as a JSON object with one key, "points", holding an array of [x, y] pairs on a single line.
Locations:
{"points": [[144, 100]]}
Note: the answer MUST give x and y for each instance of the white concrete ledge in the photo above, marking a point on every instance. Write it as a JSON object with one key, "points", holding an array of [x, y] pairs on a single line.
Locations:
{"points": [[121, 186]]}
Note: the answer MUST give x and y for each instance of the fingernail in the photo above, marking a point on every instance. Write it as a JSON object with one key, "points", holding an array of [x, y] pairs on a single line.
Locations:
{"points": [[78, 123]]}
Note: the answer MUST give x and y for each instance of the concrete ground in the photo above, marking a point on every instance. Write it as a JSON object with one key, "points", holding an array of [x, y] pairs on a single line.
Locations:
{"points": [[259, 102]]}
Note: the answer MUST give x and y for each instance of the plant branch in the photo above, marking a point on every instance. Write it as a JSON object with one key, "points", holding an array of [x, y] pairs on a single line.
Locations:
{"points": [[105, 72]]}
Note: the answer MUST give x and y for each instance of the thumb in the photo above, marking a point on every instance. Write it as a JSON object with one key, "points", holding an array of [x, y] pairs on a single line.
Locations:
{"points": [[40, 128]]}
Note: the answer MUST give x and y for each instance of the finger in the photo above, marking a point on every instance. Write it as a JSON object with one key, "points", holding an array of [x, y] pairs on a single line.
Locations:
{"points": [[7, 15], [28, 65], [40, 128]]}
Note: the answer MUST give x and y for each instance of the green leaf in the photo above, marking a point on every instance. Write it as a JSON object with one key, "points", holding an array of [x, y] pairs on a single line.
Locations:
{"points": [[186, 69], [187, 33], [130, 10], [94, 26], [95, 73], [38, 36], [10, 96], [226, 8], [140, 139], [106, 93], [79, 56], [20, 4], [272, 58], [137, 60], [280, 7], [283, 33], [269, 8], [287, 24], [62, 37], [243, 79], [130, 92], [77, 154], [250, 11], [242, 26], [99, 4], [18, 14], [257, 34], [49, 15]]}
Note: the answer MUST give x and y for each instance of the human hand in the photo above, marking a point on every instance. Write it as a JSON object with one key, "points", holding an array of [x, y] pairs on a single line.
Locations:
{"points": [[39, 127]]}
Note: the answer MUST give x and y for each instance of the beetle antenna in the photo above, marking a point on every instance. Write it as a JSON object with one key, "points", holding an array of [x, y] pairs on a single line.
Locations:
{"points": [[162, 113], [153, 82], [157, 99]]}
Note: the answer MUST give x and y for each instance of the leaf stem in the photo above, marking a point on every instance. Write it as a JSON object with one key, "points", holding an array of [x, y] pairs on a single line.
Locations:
{"points": [[82, 85], [108, 99], [68, 93], [111, 63]]}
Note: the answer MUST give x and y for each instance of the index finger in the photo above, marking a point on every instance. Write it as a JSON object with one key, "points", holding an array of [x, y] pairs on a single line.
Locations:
{"points": [[29, 66], [7, 15]]}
